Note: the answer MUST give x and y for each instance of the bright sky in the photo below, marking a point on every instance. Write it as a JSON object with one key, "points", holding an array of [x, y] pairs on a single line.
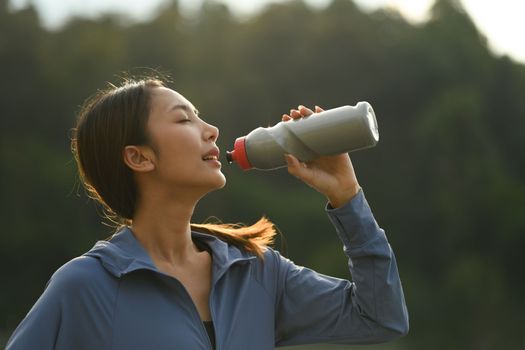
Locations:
{"points": [[500, 20]]}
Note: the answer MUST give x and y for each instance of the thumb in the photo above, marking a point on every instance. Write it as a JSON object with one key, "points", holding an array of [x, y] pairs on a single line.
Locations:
{"points": [[296, 168]]}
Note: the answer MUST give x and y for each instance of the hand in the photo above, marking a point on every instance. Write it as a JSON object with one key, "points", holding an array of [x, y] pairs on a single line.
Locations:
{"points": [[333, 176]]}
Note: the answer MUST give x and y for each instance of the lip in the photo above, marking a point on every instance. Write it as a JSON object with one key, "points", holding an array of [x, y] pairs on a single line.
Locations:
{"points": [[213, 152]]}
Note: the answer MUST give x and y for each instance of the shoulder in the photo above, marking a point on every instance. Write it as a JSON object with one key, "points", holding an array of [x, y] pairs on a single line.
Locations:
{"points": [[79, 269], [80, 275], [273, 265], [275, 259]]}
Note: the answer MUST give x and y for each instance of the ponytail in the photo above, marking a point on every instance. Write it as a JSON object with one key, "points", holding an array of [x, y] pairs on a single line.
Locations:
{"points": [[255, 238]]}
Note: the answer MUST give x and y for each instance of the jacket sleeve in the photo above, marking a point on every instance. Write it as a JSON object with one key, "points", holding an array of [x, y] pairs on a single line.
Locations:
{"points": [[313, 308], [70, 308], [40, 327]]}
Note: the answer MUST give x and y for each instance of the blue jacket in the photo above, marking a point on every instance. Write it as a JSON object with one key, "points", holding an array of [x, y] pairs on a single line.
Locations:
{"points": [[113, 297]]}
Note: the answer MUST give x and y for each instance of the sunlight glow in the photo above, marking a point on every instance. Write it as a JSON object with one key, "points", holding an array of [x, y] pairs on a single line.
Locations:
{"points": [[500, 20], [413, 10], [503, 24]]}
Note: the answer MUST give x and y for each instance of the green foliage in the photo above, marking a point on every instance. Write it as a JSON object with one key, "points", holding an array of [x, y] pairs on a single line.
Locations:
{"points": [[446, 180]]}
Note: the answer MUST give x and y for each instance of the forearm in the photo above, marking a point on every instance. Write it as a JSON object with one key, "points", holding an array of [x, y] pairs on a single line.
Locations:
{"points": [[372, 265]]}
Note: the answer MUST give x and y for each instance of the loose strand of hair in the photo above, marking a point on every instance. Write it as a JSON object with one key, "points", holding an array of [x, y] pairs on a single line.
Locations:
{"points": [[254, 238]]}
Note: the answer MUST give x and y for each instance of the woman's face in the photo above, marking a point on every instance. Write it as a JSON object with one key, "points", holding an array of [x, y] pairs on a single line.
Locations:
{"points": [[185, 154]]}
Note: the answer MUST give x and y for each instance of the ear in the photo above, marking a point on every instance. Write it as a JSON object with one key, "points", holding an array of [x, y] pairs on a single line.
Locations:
{"points": [[138, 158]]}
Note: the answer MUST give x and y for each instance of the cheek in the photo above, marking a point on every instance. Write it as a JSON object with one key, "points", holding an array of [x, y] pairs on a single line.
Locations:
{"points": [[178, 150]]}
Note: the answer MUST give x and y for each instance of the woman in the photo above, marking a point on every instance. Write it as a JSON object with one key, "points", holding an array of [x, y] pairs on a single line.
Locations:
{"points": [[162, 283]]}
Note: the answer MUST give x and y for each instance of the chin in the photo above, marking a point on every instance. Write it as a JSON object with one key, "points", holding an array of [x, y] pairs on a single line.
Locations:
{"points": [[222, 182], [218, 182]]}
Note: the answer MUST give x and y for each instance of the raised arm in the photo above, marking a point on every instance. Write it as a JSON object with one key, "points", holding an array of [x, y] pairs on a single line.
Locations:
{"points": [[317, 308]]}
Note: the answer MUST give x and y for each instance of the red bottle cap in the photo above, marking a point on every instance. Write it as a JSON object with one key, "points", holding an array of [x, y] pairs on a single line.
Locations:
{"points": [[239, 154]]}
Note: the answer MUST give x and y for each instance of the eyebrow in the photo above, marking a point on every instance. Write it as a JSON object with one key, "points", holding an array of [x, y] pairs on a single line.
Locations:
{"points": [[185, 108]]}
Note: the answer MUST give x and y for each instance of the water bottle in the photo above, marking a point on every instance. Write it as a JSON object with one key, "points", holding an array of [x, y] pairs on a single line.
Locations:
{"points": [[334, 131]]}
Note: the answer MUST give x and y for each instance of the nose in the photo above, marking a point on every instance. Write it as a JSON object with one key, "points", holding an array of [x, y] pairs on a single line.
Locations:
{"points": [[211, 132]]}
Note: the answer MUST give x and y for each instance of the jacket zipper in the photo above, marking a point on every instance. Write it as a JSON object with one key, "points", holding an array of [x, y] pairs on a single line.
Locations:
{"points": [[212, 312], [195, 312], [196, 315]]}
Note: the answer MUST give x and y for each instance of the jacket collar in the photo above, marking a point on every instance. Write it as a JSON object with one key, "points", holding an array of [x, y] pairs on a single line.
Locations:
{"points": [[123, 254]]}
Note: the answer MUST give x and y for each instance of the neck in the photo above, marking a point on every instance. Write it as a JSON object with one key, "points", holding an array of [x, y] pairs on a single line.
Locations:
{"points": [[163, 229]]}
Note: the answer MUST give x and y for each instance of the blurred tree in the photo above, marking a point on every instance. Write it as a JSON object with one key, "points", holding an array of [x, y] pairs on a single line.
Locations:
{"points": [[446, 181]]}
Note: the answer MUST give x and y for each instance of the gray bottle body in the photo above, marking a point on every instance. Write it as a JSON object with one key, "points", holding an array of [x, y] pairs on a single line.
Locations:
{"points": [[334, 131]]}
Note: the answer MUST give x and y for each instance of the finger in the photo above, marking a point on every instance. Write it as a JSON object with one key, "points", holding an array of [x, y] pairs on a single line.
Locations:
{"points": [[295, 114], [305, 111], [286, 117], [318, 109], [293, 164], [296, 168]]}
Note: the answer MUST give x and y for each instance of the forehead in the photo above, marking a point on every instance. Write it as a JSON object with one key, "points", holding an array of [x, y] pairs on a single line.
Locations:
{"points": [[164, 99]]}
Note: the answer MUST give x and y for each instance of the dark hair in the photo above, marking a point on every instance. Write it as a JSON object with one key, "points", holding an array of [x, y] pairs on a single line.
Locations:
{"points": [[114, 118]]}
